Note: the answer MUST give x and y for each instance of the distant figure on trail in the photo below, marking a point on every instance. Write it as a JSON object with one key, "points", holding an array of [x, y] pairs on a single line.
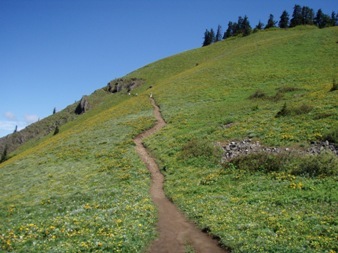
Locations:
{"points": [[151, 95]]}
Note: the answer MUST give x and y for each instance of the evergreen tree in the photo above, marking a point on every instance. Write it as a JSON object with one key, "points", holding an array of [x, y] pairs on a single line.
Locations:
{"points": [[212, 35], [207, 38], [259, 26], [228, 32], [307, 16], [296, 16], [239, 28], [54, 110], [246, 28], [218, 34], [234, 30], [322, 20], [334, 19], [284, 20], [16, 129], [271, 22]]}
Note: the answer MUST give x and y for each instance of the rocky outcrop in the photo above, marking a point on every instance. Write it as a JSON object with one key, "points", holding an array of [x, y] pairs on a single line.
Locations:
{"points": [[83, 106], [121, 84], [237, 148]]}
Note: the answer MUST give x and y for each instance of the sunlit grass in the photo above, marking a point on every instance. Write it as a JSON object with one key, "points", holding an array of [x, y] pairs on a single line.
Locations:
{"points": [[85, 189]]}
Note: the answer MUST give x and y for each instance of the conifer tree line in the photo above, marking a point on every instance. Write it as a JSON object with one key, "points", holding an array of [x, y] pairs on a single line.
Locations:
{"points": [[302, 15]]}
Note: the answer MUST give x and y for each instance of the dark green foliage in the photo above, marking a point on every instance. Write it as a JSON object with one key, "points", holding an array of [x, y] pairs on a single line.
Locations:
{"points": [[258, 94], [334, 85], [54, 110], [321, 165], [228, 32], [287, 89], [284, 20], [331, 136], [197, 148], [283, 112], [246, 28], [262, 161], [296, 16], [209, 37], [57, 130], [218, 36], [297, 110], [271, 22], [258, 27], [307, 16], [334, 19], [321, 20], [324, 164]]}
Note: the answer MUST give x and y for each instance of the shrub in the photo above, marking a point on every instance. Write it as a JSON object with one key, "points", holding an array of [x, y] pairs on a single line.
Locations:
{"points": [[286, 111], [258, 94], [197, 148], [334, 85], [303, 109], [57, 130], [331, 136], [262, 161], [324, 164], [283, 112]]}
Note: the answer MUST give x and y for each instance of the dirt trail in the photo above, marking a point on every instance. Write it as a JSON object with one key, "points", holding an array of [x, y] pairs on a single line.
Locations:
{"points": [[175, 232]]}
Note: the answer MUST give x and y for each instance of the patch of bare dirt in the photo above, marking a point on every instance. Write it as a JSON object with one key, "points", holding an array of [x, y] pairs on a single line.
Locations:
{"points": [[175, 231]]}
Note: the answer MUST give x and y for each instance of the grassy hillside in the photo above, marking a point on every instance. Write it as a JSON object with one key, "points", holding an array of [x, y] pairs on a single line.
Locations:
{"points": [[85, 188]]}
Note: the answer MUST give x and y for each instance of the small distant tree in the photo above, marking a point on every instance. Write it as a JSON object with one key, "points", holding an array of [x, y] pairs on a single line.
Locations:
{"points": [[228, 32], [246, 28], [307, 16], [322, 20], [284, 20], [212, 35], [235, 29], [271, 22], [54, 110], [218, 34], [207, 38], [16, 129], [334, 19], [258, 27], [296, 16]]}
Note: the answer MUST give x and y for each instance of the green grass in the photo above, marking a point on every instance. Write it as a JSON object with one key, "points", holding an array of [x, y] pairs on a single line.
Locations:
{"points": [[252, 211], [81, 190], [85, 188]]}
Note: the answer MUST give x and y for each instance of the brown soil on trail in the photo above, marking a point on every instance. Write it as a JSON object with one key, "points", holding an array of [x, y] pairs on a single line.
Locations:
{"points": [[175, 232]]}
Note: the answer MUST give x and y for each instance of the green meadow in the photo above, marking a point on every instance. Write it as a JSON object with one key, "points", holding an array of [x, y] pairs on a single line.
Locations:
{"points": [[85, 189]]}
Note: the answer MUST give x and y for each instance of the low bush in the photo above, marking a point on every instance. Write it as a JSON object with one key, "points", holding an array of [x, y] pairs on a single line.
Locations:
{"points": [[331, 136], [322, 165], [197, 148], [334, 85], [258, 94], [262, 161], [297, 110]]}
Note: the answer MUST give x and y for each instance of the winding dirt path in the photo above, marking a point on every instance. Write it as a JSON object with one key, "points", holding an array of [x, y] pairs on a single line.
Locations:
{"points": [[175, 232]]}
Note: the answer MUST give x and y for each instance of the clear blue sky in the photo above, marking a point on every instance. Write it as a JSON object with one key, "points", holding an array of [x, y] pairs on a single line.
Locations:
{"points": [[54, 51]]}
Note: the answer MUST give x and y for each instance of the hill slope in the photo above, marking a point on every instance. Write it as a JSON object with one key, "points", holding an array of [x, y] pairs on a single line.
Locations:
{"points": [[85, 188]]}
